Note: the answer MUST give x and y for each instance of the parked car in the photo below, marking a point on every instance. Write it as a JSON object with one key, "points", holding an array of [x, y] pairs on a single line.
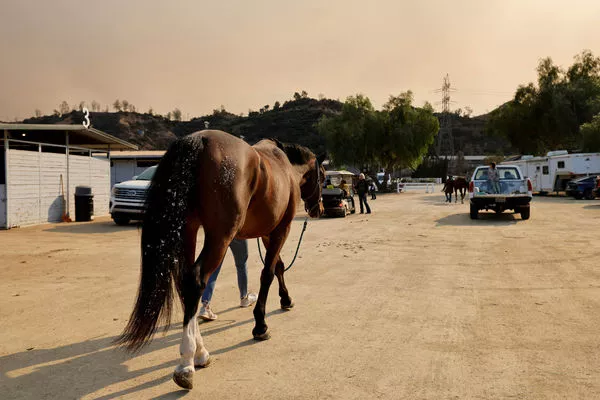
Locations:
{"points": [[128, 199], [336, 203], [597, 190], [582, 188], [515, 191]]}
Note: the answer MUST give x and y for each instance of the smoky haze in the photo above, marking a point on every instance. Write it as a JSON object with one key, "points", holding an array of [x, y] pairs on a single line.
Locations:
{"points": [[199, 55]]}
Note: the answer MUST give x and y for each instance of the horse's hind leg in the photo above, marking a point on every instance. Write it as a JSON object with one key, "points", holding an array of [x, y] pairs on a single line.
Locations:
{"points": [[192, 350]]}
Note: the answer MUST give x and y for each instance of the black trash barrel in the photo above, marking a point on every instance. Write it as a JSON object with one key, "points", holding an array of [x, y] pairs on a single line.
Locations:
{"points": [[84, 203]]}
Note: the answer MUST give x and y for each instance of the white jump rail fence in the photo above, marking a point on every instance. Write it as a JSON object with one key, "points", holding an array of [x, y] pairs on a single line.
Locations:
{"points": [[405, 186]]}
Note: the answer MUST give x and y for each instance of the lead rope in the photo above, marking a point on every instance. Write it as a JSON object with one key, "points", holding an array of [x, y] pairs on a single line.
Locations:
{"points": [[297, 247]]}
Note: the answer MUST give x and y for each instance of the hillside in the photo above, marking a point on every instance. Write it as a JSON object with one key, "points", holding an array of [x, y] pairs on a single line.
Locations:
{"points": [[471, 138], [294, 122]]}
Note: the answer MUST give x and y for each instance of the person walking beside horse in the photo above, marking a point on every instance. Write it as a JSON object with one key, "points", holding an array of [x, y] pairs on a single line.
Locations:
{"points": [[239, 249], [448, 189]]}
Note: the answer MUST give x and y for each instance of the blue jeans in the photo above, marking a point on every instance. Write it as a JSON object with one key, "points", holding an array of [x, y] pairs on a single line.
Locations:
{"points": [[239, 249], [495, 186]]}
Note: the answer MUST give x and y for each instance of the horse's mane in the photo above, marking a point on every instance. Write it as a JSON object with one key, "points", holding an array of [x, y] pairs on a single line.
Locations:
{"points": [[297, 154]]}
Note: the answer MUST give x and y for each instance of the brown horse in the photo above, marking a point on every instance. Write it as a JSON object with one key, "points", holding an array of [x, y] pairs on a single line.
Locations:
{"points": [[233, 190], [460, 185]]}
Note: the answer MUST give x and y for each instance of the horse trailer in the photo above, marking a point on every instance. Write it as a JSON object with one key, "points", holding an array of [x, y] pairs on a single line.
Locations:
{"points": [[550, 173]]}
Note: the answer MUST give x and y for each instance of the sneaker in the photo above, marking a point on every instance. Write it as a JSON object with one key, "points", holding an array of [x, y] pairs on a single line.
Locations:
{"points": [[206, 313], [248, 300]]}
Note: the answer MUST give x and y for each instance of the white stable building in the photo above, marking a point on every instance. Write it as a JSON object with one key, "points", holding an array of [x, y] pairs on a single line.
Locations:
{"points": [[40, 166]]}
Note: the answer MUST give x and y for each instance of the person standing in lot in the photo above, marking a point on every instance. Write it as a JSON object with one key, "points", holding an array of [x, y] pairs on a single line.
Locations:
{"points": [[362, 188], [494, 178]]}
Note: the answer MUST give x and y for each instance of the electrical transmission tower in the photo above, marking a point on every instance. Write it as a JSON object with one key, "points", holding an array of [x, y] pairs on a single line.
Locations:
{"points": [[445, 140]]}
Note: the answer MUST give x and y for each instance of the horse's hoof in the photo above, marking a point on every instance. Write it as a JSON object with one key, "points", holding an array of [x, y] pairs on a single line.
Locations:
{"points": [[205, 365], [184, 379], [287, 306], [262, 336]]}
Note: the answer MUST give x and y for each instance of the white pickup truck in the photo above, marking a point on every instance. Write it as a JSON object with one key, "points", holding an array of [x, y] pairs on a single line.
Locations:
{"points": [[128, 199], [515, 191]]}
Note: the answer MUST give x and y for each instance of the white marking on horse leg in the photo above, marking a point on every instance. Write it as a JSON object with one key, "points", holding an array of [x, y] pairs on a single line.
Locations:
{"points": [[187, 349], [201, 359]]}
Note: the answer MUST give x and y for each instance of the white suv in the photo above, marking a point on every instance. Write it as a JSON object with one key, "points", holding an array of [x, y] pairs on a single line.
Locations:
{"points": [[128, 199]]}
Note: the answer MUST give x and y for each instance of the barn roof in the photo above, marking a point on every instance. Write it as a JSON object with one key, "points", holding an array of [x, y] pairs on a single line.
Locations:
{"points": [[133, 155], [78, 135]]}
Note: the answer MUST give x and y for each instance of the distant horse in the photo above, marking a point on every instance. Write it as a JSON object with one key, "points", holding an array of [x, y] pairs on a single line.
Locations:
{"points": [[233, 190], [460, 185]]}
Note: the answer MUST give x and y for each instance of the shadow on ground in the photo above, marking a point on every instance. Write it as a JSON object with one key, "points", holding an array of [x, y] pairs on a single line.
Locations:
{"points": [[87, 228], [485, 219], [439, 201], [83, 368]]}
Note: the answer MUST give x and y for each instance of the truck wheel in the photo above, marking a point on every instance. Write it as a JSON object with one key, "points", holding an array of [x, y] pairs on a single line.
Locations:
{"points": [[525, 212], [121, 221], [474, 212], [589, 194]]}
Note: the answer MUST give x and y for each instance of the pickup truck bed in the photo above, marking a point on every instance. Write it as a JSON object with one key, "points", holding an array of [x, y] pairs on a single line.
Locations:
{"points": [[515, 192]]}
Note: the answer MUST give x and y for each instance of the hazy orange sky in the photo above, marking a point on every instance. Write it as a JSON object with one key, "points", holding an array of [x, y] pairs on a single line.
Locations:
{"points": [[197, 55]]}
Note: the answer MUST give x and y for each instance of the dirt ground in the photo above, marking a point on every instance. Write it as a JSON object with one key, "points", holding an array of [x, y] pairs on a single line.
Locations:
{"points": [[415, 301]]}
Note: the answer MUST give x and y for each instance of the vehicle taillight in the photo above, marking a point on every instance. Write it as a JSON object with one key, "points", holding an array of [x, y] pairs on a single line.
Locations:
{"points": [[529, 186], [341, 204], [471, 186], [598, 181]]}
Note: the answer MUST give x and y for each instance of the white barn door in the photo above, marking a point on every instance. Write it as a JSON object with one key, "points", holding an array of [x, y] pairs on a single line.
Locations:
{"points": [[35, 193], [23, 182]]}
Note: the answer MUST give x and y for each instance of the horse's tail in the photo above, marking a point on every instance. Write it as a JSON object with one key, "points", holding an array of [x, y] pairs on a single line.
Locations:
{"points": [[172, 190]]}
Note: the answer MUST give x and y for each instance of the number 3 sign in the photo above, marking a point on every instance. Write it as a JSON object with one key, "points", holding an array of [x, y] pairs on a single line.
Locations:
{"points": [[86, 116]]}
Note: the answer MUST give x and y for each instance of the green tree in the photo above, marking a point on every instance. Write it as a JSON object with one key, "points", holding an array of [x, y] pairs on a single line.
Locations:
{"points": [[408, 133], [125, 104], [117, 105], [396, 137], [548, 115], [38, 113], [350, 135], [64, 108], [277, 105], [591, 135], [177, 114]]}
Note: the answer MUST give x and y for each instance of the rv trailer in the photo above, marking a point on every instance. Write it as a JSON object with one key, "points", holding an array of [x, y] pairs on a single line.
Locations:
{"points": [[550, 173]]}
